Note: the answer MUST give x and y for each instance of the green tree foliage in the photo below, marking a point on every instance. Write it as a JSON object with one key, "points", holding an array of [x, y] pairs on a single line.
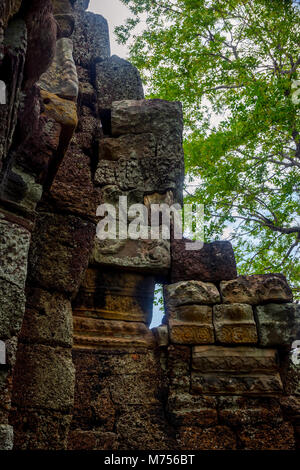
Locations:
{"points": [[234, 65]]}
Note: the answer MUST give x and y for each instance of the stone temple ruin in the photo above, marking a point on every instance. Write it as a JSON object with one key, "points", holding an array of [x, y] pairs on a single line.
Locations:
{"points": [[82, 369]]}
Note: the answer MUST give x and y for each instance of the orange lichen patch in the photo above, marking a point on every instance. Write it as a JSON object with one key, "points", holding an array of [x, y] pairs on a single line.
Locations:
{"points": [[62, 111]]}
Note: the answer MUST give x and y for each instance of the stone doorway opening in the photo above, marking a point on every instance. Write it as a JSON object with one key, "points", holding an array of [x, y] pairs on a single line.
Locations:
{"points": [[158, 307]]}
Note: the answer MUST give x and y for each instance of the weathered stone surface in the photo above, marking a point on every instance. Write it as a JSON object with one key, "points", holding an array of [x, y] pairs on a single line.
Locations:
{"points": [[65, 25], [39, 430], [12, 308], [14, 246], [93, 405], [238, 411], [61, 78], [72, 190], [44, 378], [115, 295], [92, 440], [128, 146], [141, 427], [267, 437], [92, 333], [213, 263], [179, 358], [237, 359], [149, 256], [59, 252], [256, 289], [134, 389], [64, 16], [62, 6], [48, 319], [91, 39], [116, 80], [6, 437], [21, 188], [189, 410], [190, 293], [290, 376], [143, 116], [234, 324], [214, 438], [104, 364], [278, 324], [42, 31], [191, 332]]}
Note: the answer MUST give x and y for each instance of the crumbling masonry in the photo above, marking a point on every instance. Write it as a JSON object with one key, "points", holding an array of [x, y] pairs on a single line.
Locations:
{"points": [[83, 370]]}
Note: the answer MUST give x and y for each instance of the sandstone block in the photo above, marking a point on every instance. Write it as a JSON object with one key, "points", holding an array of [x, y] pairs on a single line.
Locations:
{"points": [[128, 146], [142, 116], [191, 332], [236, 359], [59, 252], [213, 263], [192, 313], [91, 39], [91, 333], [14, 246], [278, 324], [148, 256], [61, 78], [234, 324], [116, 80], [235, 371], [48, 319], [44, 378], [226, 384], [190, 292], [256, 289]]}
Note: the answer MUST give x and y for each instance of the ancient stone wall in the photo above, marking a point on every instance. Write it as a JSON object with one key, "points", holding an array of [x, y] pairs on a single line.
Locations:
{"points": [[83, 370]]}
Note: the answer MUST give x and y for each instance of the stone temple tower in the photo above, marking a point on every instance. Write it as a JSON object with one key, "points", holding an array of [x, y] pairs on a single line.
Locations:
{"points": [[79, 367]]}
